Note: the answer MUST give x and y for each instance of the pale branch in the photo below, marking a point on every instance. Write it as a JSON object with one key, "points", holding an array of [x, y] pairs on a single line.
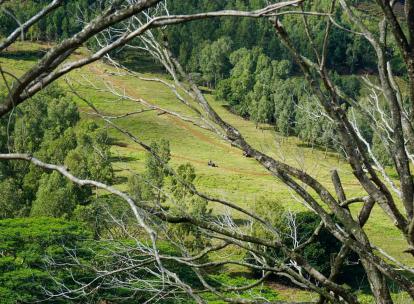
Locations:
{"points": [[136, 210], [26, 25], [55, 56], [311, 239], [235, 138], [357, 158], [231, 235], [350, 232], [149, 105], [403, 41], [281, 270], [380, 167], [394, 260], [13, 16], [80, 182]]}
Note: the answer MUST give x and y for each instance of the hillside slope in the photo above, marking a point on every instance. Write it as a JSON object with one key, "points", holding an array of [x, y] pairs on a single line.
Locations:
{"points": [[237, 178]]}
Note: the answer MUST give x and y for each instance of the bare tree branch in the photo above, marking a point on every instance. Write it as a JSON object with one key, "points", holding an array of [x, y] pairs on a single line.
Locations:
{"points": [[25, 26]]}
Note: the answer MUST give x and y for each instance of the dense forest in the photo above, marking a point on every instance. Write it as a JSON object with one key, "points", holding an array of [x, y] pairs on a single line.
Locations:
{"points": [[68, 235]]}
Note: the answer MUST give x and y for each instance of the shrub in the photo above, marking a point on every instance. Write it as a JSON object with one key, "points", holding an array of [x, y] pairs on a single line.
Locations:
{"points": [[24, 244]]}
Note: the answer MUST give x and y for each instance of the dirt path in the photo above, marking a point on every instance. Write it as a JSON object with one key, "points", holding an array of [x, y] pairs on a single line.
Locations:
{"points": [[173, 119], [183, 125], [198, 134]]}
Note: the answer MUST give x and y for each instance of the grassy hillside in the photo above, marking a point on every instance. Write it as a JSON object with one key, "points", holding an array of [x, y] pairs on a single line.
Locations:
{"points": [[237, 178]]}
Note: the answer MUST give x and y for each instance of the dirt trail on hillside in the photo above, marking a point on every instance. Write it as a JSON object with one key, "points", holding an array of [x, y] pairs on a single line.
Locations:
{"points": [[183, 125], [197, 133], [173, 119]]}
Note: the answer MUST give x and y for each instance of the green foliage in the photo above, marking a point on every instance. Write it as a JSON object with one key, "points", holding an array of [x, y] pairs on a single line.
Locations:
{"points": [[259, 88], [319, 252], [155, 167], [55, 197], [380, 151], [99, 213], [55, 26], [48, 126], [257, 91], [186, 203], [264, 91], [100, 255], [286, 98], [91, 157], [45, 117], [350, 85], [313, 127], [241, 80], [11, 198], [24, 244], [348, 53], [34, 250], [213, 60], [273, 213], [148, 186]]}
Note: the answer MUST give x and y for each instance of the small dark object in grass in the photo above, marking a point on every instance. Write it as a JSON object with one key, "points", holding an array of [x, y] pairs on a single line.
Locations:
{"points": [[212, 164]]}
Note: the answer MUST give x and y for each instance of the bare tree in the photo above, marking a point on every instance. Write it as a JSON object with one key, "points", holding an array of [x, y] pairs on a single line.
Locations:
{"points": [[137, 19]]}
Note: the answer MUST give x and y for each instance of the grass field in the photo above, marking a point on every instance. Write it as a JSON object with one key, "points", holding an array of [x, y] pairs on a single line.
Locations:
{"points": [[237, 178]]}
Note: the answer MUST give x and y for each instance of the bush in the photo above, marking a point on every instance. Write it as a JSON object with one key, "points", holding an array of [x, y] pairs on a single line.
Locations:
{"points": [[24, 244]]}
